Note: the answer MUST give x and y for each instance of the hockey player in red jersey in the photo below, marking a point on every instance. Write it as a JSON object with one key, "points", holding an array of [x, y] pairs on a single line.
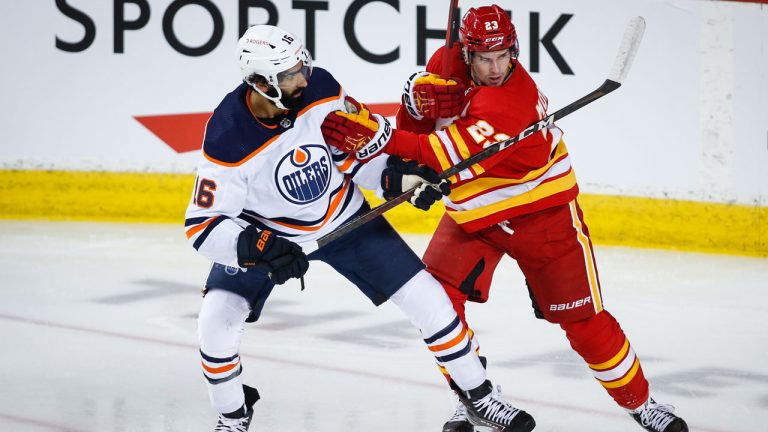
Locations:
{"points": [[521, 202], [267, 184]]}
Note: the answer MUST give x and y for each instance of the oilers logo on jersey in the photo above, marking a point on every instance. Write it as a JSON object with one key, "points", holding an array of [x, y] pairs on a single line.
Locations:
{"points": [[303, 175]]}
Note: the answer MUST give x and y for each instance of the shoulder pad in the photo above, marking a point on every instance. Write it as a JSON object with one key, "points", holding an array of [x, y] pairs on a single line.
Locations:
{"points": [[232, 134], [322, 85]]}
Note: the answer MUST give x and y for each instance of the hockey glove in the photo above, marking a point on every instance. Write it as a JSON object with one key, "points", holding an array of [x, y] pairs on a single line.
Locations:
{"points": [[400, 176], [426, 95], [280, 258], [362, 133], [352, 106]]}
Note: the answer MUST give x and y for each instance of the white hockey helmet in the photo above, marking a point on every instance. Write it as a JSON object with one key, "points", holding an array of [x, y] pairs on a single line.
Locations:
{"points": [[267, 51]]}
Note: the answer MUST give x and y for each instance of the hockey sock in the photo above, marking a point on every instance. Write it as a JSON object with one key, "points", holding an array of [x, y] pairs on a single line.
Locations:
{"points": [[426, 305], [600, 341], [220, 328], [475, 348]]}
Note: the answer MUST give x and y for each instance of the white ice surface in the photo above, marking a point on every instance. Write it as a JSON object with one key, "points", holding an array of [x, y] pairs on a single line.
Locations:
{"points": [[97, 333]]}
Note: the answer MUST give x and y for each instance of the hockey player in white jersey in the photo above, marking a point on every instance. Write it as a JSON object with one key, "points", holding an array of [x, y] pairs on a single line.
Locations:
{"points": [[268, 183]]}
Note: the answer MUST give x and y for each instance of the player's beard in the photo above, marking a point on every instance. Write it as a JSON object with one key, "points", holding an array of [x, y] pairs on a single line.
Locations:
{"points": [[292, 100]]}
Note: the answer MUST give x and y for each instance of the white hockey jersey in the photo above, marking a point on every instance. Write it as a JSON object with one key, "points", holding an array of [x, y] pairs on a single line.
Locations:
{"points": [[282, 176]]}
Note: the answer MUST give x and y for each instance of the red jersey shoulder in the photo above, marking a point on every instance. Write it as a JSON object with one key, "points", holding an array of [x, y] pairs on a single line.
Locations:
{"points": [[457, 70], [522, 84], [435, 62]]}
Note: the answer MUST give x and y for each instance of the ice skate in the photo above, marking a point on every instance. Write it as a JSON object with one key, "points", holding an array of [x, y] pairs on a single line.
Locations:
{"points": [[486, 408], [240, 420], [655, 417], [459, 421]]}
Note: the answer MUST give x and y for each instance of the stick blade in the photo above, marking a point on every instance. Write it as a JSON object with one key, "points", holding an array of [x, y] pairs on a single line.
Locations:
{"points": [[633, 35]]}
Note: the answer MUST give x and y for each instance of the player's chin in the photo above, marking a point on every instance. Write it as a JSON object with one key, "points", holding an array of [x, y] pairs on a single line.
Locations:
{"points": [[293, 100]]}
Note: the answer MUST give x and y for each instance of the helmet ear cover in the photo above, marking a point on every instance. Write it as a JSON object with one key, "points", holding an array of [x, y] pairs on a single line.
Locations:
{"points": [[254, 80]]}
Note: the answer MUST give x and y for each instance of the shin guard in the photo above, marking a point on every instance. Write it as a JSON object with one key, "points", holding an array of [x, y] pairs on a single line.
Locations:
{"points": [[220, 328], [426, 305]]}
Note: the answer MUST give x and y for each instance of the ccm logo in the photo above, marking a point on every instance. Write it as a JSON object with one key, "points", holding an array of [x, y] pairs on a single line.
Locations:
{"points": [[545, 122], [571, 305]]}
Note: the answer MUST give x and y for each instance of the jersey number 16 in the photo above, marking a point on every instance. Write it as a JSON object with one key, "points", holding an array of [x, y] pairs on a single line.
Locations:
{"points": [[203, 195]]}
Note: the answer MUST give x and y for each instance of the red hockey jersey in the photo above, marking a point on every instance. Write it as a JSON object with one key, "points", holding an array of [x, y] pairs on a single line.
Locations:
{"points": [[531, 175]]}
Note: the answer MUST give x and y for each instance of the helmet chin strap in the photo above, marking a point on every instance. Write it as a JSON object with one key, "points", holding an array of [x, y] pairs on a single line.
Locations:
{"points": [[274, 100], [510, 68]]}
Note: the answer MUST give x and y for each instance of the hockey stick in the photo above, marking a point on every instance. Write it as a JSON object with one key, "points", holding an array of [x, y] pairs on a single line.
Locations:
{"points": [[450, 30], [627, 50]]}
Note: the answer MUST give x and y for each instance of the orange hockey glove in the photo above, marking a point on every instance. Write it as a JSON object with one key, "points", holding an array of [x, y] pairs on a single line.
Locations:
{"points": [[361, 132], [426, 95]]}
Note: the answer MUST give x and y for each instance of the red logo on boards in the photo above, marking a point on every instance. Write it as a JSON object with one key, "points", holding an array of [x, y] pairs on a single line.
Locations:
{"points": [[184, 132]]}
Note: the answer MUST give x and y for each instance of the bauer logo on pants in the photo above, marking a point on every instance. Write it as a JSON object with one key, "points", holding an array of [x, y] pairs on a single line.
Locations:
{"points": [[572, 305], [302, 176]]}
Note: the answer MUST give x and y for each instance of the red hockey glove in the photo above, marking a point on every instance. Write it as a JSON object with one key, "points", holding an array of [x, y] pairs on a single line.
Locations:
{"points": [[352, 106], [426, 95], [361, 133]]}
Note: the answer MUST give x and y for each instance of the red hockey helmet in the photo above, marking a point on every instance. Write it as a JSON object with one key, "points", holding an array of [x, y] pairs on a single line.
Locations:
{"points": [[487, 28]]}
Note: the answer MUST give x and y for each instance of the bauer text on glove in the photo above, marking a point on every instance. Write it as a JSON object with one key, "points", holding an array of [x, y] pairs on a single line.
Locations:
{"points": [[363, 134]]}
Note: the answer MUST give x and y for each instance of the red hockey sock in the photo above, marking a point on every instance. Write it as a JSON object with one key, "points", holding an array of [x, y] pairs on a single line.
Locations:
{"points": [[600, 341]]}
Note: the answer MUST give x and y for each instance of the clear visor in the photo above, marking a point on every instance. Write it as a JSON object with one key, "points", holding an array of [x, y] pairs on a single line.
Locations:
{"points": [[292, 76]]}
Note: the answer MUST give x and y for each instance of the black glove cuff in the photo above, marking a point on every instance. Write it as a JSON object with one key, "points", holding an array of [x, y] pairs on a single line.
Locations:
{"points": [[392, 176], [251, 245]]}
